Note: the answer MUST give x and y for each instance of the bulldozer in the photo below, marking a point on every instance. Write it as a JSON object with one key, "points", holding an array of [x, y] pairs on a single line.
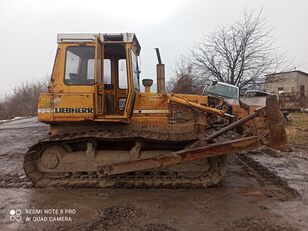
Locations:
{"points": [[105, 132]]}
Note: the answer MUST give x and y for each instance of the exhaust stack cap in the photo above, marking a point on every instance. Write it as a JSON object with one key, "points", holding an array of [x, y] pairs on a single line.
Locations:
{"points": [[147, 83]]}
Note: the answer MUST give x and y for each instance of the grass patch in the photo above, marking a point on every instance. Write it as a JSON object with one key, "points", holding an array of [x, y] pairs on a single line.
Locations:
{"points": [[297, 129]]}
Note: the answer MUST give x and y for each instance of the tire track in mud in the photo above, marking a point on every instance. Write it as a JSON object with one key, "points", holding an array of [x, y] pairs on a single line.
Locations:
{"points": [[15, 138], [275, 186], [15, 181]]}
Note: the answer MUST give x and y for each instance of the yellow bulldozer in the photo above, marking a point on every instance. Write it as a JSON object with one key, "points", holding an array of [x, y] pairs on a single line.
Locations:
{"points": [[105, 132]]}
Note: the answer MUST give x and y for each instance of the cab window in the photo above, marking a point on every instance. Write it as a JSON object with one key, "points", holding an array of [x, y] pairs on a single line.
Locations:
{"points": [[135, 71], [107, 71], [79, 65], [122, 73]]}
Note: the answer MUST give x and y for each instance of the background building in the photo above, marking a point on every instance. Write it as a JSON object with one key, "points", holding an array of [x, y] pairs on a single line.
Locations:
{"points": [[291, 88], [287, 82]]}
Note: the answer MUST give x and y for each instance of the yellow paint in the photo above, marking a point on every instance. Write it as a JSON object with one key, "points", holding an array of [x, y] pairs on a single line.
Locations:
{"points": [[153, 109]]}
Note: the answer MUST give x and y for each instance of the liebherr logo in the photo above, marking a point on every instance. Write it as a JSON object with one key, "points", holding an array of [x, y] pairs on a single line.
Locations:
{"points": [[65, 110], [73, 110]]}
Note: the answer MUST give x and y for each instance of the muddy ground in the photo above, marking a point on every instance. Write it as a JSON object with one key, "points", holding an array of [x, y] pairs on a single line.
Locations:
{"points": [[248, 198]]}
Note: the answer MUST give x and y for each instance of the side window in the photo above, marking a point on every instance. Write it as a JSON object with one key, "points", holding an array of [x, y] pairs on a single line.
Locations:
{"points": [[122, 72], [79, 65], [135, 71], [107, 71]]}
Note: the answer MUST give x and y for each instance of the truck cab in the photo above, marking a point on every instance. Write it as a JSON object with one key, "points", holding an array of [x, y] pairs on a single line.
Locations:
{"points": [[220, 89]]}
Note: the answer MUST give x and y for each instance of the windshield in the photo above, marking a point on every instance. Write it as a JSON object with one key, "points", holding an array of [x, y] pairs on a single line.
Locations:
{"points": [[223, 90]]}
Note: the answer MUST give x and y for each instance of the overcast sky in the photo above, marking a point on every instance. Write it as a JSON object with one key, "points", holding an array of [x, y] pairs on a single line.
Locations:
{"points": [[29, 28]]}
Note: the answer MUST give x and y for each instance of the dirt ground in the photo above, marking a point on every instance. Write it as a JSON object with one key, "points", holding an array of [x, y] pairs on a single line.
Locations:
{"points": [[247, 198]]}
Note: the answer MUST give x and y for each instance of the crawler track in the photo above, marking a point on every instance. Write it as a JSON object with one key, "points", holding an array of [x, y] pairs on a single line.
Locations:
{"points": [[214, 168]]}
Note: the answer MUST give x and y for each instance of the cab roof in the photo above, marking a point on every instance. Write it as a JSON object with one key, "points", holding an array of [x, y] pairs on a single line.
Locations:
{"points": [[104, 37]]}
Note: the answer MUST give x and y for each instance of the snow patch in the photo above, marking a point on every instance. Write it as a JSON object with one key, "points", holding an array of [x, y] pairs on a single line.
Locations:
{"points": [[15, 118]]}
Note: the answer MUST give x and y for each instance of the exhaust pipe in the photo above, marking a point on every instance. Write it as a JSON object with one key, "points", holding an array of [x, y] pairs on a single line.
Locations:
{"points": [[160, 74]]}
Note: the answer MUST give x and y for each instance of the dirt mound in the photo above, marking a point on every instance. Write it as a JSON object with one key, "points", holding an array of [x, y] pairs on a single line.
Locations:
{"points": [[124, 218], [117, 215], [111, 218]]}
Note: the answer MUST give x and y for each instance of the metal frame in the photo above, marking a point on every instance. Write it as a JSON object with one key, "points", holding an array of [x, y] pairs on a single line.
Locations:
{"points": [[90, 37]]}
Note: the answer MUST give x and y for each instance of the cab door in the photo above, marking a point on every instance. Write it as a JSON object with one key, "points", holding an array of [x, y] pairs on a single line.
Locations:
{"points": [[114, 94]]}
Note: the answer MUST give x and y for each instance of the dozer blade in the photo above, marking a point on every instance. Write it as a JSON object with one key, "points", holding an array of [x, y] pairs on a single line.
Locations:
{"points": [[277, 132], [185, 155]]}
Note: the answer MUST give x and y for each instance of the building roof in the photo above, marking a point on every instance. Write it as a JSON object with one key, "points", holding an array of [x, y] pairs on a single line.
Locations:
{"points": [[287, 72]]}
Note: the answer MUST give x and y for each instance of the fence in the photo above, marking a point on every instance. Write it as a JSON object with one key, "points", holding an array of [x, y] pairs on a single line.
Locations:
{"points": [[293, 100]]}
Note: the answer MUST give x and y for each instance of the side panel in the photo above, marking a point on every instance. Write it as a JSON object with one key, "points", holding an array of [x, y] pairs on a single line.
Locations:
{"points": [[45, 108], [155, 112], [151, 111], [65, 107]]}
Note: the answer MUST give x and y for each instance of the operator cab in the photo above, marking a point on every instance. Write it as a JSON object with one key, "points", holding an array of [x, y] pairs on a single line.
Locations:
{"points": [[103, 64]]}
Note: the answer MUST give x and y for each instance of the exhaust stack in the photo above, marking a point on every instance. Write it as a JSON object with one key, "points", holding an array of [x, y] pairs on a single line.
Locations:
{"points": [[160, 73]]}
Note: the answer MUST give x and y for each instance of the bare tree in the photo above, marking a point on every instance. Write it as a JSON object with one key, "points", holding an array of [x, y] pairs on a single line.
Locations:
{"points": [[240, 54], [185, 80], [23, 99]]}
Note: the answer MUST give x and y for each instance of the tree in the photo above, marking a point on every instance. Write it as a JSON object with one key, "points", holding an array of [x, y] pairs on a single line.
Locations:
{"points": [[23, 99], [240, 54], [185, 80]]}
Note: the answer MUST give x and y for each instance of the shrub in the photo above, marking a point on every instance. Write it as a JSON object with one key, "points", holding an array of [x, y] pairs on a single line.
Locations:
{"points": [[23, 99]]}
